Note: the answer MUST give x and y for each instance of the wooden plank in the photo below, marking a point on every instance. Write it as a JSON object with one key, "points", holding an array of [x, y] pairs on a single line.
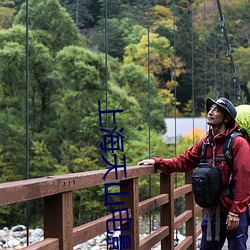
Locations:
{"points": [[46, 244], [154, 238], [152, 203], [190, 205], [91, 229], [178, 192], [182, 218], [167, 210], [131, 201], [198, 209], [24, 190], [94, 178], [185, 244], [58, 219], [198, 231]]}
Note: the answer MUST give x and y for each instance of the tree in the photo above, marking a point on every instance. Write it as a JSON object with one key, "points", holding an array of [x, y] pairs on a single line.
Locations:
{"points": [[84, 13], [242, 64], [6, 17], [79, 73], [40, 60], [161, 57], [132, 78], [53, 25], [161, 62], [117, 33], [161, 16]]}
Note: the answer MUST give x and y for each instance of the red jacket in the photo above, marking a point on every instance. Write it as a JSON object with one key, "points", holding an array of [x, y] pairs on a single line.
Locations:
{"points": [[241, 167]]}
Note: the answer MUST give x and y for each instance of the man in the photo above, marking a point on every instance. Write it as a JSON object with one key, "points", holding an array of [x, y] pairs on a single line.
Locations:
{"points": [[221, 115]]}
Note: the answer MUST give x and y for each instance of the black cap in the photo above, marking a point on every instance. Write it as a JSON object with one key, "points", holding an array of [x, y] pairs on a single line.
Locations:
{"points": [[223, 103]]}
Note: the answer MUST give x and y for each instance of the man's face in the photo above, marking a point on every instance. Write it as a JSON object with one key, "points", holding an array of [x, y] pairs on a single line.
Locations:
{"points": [[215, 116]]}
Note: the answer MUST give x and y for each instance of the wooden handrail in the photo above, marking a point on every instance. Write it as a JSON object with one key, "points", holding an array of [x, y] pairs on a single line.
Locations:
{"points": [[58, 208]]}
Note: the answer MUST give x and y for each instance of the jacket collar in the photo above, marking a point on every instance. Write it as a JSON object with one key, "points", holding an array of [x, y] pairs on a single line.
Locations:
{"points": [[221, 136]]}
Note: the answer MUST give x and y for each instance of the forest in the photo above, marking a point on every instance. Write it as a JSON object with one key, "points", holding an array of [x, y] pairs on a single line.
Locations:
{"points": [[151, 59]]}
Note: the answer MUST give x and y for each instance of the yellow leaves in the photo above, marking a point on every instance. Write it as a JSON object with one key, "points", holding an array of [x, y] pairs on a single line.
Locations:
{"points": [[166, 96], [160, 12], [188, 107], [170, 102], [179, 69], [159, 53], [203, 114], [195, 134], [171, 85], [189, 139], [161, 16], [6, 17]]}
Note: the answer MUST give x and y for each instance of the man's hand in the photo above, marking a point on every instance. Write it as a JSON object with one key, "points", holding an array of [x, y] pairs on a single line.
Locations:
{"points": [[232, 221], [146, 162]]}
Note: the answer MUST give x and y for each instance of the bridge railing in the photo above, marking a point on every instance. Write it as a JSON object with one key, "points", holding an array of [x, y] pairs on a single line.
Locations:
{"points": [[56, 192]]}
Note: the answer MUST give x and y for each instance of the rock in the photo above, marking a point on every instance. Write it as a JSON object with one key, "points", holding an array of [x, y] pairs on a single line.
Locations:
{"points": [[13, 243], [100, 238], [96, 248], [16, 238], [38, 232], [18, 228], [3, 233]]}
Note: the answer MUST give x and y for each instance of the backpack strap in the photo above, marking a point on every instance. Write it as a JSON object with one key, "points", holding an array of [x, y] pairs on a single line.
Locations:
{"points": [[227, 151], [227, 148], [203, 152], [203, 158]]}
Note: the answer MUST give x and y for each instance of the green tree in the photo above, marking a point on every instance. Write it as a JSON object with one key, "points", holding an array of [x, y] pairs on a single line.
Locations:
{"points": [[135, 81], [79, 73], [242, 64], [84, 13], [118, 31], [53, 25], [42, 162], [13, 60], [161, 57]]}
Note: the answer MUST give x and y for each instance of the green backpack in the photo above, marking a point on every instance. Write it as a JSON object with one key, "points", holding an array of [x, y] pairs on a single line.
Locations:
{"points": [[243, 120]]}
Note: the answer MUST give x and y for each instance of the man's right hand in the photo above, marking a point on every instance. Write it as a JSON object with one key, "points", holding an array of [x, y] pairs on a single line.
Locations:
{"points": [[146, 162]]}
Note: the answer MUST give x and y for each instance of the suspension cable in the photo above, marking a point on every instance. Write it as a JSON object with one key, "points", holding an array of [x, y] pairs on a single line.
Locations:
{"points": [[192, 76], [149, 121], [27, 89], [205, 50], [106, 58], [27, 207], [174, 75], [221, 68], [106, 80], [215, 52], [175, 107], [229, 53]]}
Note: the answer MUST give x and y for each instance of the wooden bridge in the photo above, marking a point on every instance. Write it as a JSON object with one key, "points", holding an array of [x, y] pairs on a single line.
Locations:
{"points": [[56, 192]]}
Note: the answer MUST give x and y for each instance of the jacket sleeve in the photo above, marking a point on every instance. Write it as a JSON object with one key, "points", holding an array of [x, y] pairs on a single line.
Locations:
{"points": [[241, 175], [183, 163]]}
